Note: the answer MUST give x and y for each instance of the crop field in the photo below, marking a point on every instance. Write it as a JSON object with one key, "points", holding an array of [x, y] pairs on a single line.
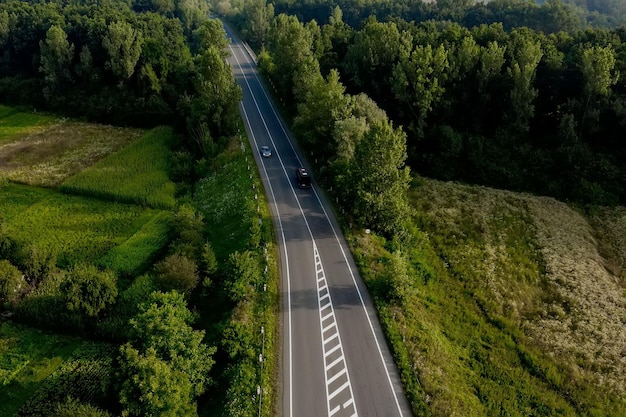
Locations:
{"points": [[27, 357], [138, 174], [135, 254], [74, 228], [502, 304], [84, 376]]}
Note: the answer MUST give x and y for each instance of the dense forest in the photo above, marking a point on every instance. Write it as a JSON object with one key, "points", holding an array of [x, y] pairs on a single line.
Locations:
{"points": [[535, 104], [125, 246], [149, 64]]}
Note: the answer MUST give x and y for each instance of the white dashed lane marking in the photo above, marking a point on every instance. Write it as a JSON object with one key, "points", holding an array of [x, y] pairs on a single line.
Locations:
{"points": [[338, 389]]}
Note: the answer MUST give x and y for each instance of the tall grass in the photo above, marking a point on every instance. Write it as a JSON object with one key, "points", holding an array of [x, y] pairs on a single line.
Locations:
{"points": [[75, 229], [137, 253], [463, 325], [138, 174]]}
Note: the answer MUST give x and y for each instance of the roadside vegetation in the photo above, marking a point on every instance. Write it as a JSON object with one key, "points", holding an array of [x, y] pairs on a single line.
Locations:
{"points": [[232, 201]]}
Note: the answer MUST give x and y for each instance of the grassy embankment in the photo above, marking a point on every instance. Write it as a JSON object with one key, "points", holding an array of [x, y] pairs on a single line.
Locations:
{"points": [[501, 304]]}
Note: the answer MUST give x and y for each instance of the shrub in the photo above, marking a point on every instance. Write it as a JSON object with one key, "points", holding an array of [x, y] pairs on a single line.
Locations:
{"points": [[12, 282], [208, 263], [244, 275], [177, 272], [74, 408], [187, 227], [88, 290]]}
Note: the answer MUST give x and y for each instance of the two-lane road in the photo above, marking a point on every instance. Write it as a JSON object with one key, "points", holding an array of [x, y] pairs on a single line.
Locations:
{"points": [[334, 358]]}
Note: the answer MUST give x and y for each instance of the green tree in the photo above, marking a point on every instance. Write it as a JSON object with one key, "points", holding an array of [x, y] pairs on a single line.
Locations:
{"points": [[372, 56], [88, 290], [163, 324], [4, 27], [12, 282], [211, 33], [177, 272], [209, 264], [56, 57], [380, 179], [243, 275], [152, 386], [418, 80], [123, 45], [257, 16], [214, 110], [599, 73], [525, 54], [188, 231], [323, 104], [294, 67]]}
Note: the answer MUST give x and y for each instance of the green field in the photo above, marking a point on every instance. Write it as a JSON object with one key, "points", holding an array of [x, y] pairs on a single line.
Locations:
{"points": [[27, 357], [76, 229], [6, 111], [14, 125], [137, 253], [138, 174]]}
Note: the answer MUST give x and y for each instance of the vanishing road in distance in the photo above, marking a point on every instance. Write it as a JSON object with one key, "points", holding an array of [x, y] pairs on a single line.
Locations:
{"points": [[334, 359]]}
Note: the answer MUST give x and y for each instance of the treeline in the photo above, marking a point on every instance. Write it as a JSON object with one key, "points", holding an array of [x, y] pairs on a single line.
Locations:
{"points": [[549, 16], [143, 64], [513, 109]]}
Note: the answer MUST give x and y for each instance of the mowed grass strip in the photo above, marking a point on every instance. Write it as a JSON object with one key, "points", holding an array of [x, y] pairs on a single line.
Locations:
{"points": [[76, 229], [14, 126], [138, 174], [27, 357]]}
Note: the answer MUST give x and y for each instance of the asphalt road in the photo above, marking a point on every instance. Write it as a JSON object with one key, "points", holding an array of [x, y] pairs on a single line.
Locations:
{"points": [[335, 361]]}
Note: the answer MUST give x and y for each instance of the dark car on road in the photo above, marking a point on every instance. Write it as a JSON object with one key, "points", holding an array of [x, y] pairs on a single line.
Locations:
{"points": [[303, 178]]}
